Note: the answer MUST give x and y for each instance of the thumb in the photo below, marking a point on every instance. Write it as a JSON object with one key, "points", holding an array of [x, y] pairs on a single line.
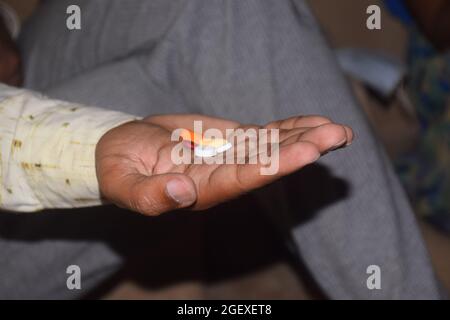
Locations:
{"points": [[153, 195]]}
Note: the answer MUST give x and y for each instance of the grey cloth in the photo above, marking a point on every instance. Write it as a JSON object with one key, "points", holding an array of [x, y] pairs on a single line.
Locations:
{"points": [[249, 60]]}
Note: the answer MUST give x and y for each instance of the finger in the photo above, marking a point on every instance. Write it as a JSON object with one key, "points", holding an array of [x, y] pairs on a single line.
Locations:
{"points": [[350, 135], [326, 137], [286, 134], [186, 121], [299, 122], [153, 195], [230, 181]]}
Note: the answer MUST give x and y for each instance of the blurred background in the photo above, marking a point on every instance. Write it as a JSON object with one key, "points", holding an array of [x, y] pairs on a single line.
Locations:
{"points": [[401, 77]]}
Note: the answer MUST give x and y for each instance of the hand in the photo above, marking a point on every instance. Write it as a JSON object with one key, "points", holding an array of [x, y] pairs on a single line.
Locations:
{"points": [[135, 170], [10, 71]]}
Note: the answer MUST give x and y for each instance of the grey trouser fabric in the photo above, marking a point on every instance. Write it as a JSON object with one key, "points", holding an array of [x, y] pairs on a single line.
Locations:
{"points": [[249, 60]]}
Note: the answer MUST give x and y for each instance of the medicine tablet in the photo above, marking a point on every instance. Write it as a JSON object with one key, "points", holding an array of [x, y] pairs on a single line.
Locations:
{"points": [[205, 151], [208, 150], [204, 147], [223, 148]]}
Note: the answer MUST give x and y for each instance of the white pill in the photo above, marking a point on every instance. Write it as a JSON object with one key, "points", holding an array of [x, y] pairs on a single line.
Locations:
{"points": [[206, 151], [223, 148]]}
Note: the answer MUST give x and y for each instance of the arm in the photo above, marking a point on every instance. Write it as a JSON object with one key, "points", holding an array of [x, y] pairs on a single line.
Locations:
{"points": [[56, 154], [48, 151]]}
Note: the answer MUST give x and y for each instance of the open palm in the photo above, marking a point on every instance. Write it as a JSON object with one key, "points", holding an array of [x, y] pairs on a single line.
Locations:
{"points": [[135, 169]]}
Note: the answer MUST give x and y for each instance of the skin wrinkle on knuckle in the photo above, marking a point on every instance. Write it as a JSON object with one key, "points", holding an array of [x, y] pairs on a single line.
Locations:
{"points": [[148, 205], [147, 202]]}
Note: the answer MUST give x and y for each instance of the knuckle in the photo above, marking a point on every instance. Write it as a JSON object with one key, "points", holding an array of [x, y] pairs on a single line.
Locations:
{"points": [[146, 205], [151, 202]]}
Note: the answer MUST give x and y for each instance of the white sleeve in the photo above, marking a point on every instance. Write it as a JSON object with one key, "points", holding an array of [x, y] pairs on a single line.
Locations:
{"points": [[47, 154]]}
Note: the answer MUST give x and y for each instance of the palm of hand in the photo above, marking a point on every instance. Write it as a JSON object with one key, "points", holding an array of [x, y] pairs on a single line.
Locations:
{"points": [[135, 169]]}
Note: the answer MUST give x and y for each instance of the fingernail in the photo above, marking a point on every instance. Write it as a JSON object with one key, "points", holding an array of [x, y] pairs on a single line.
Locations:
{"points": [[339, 145], [180, 192]]}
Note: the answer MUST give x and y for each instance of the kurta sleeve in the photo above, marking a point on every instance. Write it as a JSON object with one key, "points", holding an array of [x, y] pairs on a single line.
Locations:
{"points": [[47, 154]]}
